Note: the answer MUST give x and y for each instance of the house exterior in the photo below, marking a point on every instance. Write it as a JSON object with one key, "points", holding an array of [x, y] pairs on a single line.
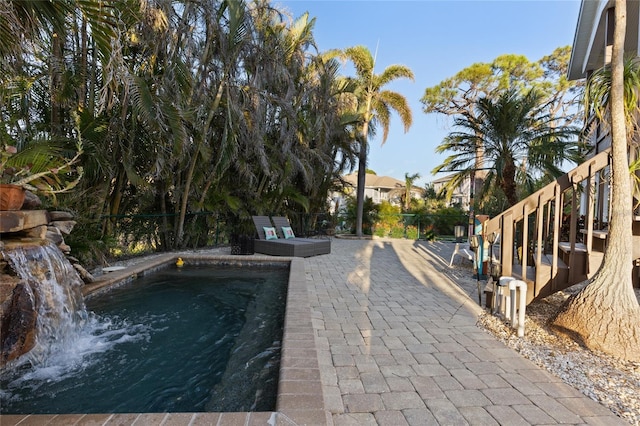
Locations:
{"points": [[594, 36], [592, 50], [557, 236], [461, 194], [378, 188]]}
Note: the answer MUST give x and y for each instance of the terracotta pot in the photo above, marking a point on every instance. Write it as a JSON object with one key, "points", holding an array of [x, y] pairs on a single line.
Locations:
{"points": [[11, 197]]}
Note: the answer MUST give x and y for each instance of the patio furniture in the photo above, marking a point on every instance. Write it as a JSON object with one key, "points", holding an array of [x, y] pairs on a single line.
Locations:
{"points": [[322, 246], [279, 246], [462, 252]]}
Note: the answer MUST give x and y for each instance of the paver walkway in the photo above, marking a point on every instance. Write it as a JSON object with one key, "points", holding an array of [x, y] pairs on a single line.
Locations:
{"points": [[397, 344]]}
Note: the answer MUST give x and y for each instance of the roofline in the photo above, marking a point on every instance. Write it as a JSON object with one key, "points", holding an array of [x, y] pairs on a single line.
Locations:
{"points": [[586, 29], [588, 52]]}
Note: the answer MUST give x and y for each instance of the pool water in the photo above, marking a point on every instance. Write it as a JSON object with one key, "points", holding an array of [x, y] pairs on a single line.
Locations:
{"points": [[192, 339]]}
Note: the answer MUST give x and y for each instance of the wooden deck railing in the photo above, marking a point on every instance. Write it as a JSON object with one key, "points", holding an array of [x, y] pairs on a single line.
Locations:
{"points": [[530, 232]]}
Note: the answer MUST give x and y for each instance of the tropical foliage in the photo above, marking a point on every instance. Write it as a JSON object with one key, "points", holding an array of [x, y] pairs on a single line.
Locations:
{"points": [[192, 114], [405, 193], [460, 96], [371, 215], [457, 95], [373, 106], [519, 139]]}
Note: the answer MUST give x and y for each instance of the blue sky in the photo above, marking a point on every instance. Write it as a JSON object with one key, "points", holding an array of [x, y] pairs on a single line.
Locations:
{"points": [[436, 39]]}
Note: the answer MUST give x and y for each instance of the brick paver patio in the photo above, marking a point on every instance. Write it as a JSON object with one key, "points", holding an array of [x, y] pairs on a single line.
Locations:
{"points": [[397, 344]]}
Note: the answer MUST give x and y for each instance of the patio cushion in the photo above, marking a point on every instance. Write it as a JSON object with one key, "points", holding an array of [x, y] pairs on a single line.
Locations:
{"points": [[270, 233], [288, 232]]}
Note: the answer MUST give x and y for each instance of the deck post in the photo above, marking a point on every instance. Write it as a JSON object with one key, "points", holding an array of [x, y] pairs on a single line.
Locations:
{"points": [[572, 235], [556, 235], [525, 242], [506, 245]]}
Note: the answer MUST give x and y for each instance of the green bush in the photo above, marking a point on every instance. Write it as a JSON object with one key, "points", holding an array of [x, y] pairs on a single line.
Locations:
{"points": [[429, 233], [369, 215], [412, 233], [381, 231], [397, 231]]}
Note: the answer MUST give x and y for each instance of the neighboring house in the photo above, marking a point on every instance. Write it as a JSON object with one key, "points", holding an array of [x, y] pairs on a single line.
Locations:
{"points": [[461, 194], [378, 188], [565, 235]]}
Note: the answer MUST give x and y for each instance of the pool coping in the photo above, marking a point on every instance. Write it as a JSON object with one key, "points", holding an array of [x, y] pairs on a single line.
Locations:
{"points": [[300, 399]]}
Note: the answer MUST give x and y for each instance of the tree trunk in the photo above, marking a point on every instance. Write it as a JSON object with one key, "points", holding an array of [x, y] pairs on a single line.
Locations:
{"points": [[56, 72], [165, 236], [605, 315], [508, 183], [362, 178], [84, 59], [194, 160], [480, 174]]}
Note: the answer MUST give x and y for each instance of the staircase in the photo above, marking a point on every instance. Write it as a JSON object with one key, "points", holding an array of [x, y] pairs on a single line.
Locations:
{"points": [[556, 237]]}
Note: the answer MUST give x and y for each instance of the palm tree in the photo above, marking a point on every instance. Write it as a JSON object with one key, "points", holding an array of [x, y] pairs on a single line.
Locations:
{"points": [[44, 55], [408, 186], [518, 138], [229, 49], [404, 192], [325, 148], [374, 106], [32, 20], [605, 314], [282, 69]]}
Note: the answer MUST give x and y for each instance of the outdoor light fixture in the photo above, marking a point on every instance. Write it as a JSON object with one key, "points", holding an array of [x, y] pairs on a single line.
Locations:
{"points": [[491, 239], [458, 231], [473, 242]]}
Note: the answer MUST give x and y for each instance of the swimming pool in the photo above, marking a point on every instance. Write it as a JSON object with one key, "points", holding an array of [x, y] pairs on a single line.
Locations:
{"points": [[300, 399], [196, 339]]}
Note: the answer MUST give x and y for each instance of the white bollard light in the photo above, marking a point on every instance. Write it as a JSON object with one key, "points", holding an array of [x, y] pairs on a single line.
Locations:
{"points": [[518, 288], [513, 285], [502, 297]]}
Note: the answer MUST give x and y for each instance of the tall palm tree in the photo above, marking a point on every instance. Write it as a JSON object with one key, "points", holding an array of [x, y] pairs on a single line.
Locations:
{"points": [[231, 23], [44, 60], [605, 314], [326, 148], [374, 107], [518, 138], [282, 70]]}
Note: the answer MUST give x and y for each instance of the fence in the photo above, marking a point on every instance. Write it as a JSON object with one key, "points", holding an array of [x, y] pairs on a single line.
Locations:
{"points": [[410, 226], [155, 232]]}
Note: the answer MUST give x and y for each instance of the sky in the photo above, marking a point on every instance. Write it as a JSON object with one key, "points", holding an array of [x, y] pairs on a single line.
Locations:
{"points": [[435, 39]]}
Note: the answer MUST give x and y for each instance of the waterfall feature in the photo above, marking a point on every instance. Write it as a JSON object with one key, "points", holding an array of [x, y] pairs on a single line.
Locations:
{"points": [[47, 305]]}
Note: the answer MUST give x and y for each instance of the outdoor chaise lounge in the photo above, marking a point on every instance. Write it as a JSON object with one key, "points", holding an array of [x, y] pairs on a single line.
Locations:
{"points": [[322, 245], [279, 246]]}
